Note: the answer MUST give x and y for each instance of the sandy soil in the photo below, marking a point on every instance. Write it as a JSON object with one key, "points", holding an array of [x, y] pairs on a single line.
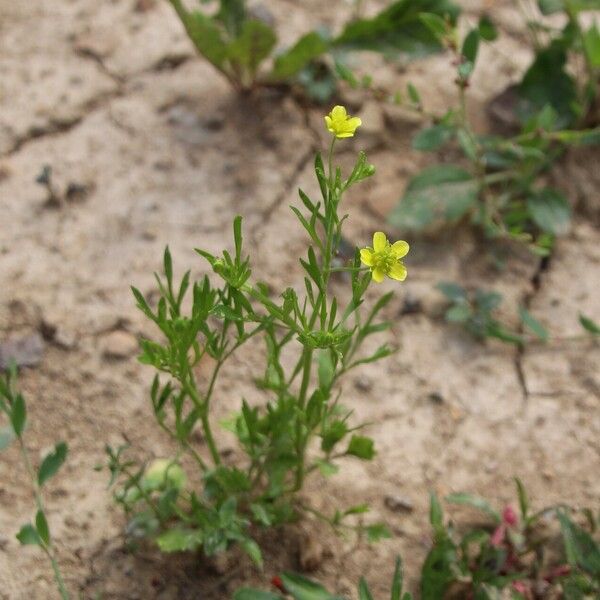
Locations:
{"points": [[156, 149]]}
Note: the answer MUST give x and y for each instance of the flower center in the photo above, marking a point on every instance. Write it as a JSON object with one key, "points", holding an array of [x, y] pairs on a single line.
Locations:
{"points": [[384, 260]]}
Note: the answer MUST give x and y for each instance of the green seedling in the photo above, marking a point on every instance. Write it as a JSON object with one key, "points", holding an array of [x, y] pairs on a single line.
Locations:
{"points": [[476, 313], [36, 533]]}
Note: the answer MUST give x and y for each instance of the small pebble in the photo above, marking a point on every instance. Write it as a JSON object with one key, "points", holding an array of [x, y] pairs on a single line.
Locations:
{"points": [[119, 345], [363, 383], [398, 504], [24, 352]]}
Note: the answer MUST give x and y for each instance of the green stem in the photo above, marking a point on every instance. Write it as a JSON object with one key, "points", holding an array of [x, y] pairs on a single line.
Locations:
{"points": [[202, 406], [307, 355], [210, 440], [58, 578]]}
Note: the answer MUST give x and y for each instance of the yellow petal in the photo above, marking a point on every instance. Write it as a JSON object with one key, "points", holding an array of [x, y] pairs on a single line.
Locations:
{"points": [[378, 275], [366, 256], [353, 123], [379, 241], [400, 249], [338, 112], [398, 272], [344, 135], [328, 122]]}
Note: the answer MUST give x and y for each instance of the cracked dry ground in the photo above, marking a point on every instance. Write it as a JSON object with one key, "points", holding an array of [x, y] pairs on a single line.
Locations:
{"points": [[159, 150]]}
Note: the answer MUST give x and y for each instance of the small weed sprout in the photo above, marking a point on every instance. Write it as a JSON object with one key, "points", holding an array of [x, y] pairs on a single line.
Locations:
{"points": [[12, 404], [305, 399]]}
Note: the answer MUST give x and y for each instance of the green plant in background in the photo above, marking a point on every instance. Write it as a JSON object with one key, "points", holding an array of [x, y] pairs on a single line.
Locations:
{"points": [[302, 588], [237, 43], [12, 404], [312, 338], [554, 552], [475, 312], [500, 188]]}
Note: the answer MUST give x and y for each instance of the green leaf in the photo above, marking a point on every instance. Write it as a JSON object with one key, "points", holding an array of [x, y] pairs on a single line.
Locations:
{"points": [[252, 594], [397, 580], [398, 29], [253, 45], [359, 509], [206, 36], [432, 138], [438, 192], [413, 94], [547, 82], [302, 588], [7, 435], [496, 330], [168, 265], [438, 570], [261, 515], [362, 447], [18, 415], [29, 536], [326, 369], [459, 313], [180, 540], [363, 590], [41, 525], [550, 211], [305, 50], [332, 434], [52, 463], [319, 82], [533, 324], [436, 516], [523, 500], [487, 29], [377, 532], [475, 502], [591, 45], [467, 143], [232, 13], [589, 325], [452, 291], [435, 24], [471, 45], [252, 549], [549, 7], [580, 548]]}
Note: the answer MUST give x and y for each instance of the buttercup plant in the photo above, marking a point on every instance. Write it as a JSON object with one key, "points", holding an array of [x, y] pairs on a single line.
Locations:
{"points": [[304, 427]]}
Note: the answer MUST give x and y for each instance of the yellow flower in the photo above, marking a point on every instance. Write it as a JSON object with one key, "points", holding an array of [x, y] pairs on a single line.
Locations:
{"points": [[384, 258], [340, 124]]}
